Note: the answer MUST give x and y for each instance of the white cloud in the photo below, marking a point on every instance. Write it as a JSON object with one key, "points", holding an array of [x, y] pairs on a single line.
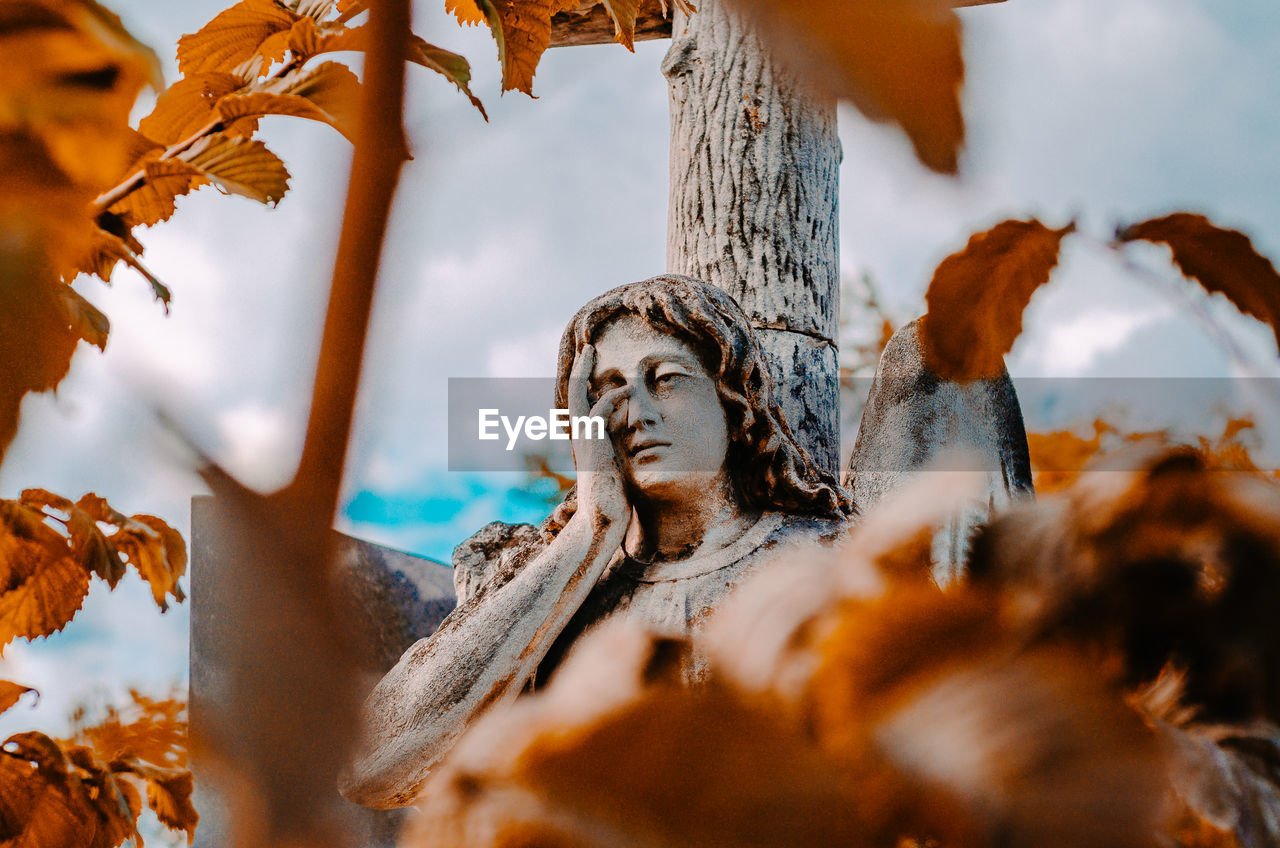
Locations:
{"points": [[261, 445], [1072, 347]]}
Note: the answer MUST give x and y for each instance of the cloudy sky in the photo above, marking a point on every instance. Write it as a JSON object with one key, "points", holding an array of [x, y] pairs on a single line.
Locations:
{"points": [[1105, 110]]}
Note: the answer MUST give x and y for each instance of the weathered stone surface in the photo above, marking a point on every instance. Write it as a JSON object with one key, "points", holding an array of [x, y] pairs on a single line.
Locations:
{"points": [[397, 597], [913, 417], [698, 484], [754, 203], [478, 558], [1230, 777]]}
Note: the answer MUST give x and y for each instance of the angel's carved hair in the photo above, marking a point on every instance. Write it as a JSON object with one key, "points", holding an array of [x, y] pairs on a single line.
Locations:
{"points": [[771, 470]]}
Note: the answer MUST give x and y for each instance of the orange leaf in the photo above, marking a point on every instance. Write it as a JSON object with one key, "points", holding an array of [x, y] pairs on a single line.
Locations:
{"points": [[70, 78], [327, 93], [896, 60], [154, 548], [526, 34], [234, 37], [154, 200], [450, 65], [466, 11], [188, 106], [168, 793], [45, 587], [89, 546], [148, 729], [11, 692], [240, 166], [40, 806], [977, 297], [624, 14], [1221, 260]]}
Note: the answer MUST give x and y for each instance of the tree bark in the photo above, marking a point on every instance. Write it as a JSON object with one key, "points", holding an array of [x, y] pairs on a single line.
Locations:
{"points": [[754, 207]]}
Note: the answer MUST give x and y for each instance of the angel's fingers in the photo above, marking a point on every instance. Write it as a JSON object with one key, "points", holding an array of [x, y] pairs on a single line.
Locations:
{"points": [[579, 380], [609, 404]]}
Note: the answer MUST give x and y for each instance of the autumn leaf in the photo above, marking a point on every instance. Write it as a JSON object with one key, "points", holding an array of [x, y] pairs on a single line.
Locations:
{"points": [[11, 692], [68, 80], [307, 40], [39, 806], [147, 729], [154, 201], [168, 793], [240, 166], [466, 11], [70, 76], [1058, 457], [525, 26], [327, 93], [896, 60], [450, 65], [89, 545], [154, 548], [115, 803], [188, 106], [43, 586], [977, 297], [234, 37], [44, 574], [1219, 259], [624, 14]]}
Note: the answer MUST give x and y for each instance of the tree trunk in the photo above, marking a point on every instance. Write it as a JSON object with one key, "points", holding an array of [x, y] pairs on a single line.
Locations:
{"points": [[754, 207]]}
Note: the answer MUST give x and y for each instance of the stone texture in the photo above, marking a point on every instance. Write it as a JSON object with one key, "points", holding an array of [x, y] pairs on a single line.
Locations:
{"points": [[754, 205], [913, 417], [398, 597]]}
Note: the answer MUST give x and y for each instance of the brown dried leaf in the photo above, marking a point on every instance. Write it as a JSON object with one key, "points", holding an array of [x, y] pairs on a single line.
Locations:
{"points": [[526, 34], [154, 548], [1153, 560], [168, 793], [154, 200], [977, 297], [938, 684], [1219, 259], [40, 807], [148, 729], [44, 590], [624, 14], [466, 11], [234, 37], [240, 166], [896, 60], [69, 79], [188, 106], [11, 692], [450, 65], [89, 546], [46, 225], [1058, 457], [115, 803], [327, 93]]}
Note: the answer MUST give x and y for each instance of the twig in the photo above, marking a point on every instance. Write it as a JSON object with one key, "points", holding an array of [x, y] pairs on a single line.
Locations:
{"points": [[375, 171], [1181, 294], [136, 179]]}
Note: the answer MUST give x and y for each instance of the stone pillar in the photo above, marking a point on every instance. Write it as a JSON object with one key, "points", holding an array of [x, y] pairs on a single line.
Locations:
{"points": [[754, 207]]}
